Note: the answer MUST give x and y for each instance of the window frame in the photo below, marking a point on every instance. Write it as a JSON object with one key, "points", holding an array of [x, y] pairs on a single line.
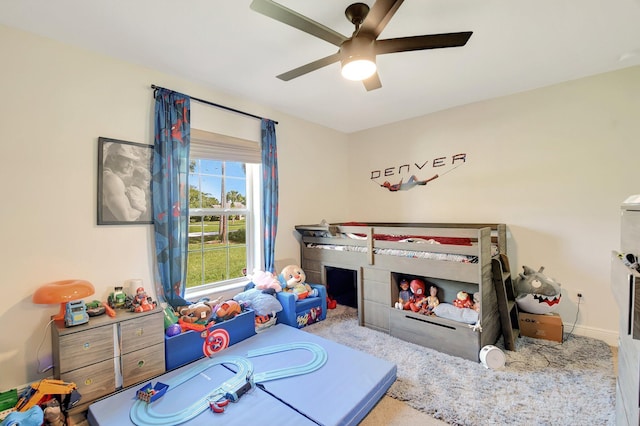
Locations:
{"points": [[252, 210]]}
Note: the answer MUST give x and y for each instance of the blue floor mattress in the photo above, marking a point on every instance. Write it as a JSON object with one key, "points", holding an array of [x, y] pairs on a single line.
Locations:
{"points": [[341, 392]]}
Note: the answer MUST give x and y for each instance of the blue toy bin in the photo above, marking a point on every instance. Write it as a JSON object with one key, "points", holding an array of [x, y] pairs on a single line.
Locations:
{"points": [[148, 394], [186, 347]]}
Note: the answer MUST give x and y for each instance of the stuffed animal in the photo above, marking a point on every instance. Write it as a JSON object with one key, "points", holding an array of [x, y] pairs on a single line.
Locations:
{"points": [[265, 280], [463, 300], [262, 303], [33, 416], [418, 298], [537, 293], [226, 310], [293, 280], [198, 313]]}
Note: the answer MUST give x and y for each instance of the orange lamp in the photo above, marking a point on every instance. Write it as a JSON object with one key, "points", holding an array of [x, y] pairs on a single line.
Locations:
{"points": [[62, 292]]}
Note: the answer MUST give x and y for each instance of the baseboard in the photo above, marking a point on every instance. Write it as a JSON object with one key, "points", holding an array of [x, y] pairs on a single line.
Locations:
{"points": [[608, 336]]}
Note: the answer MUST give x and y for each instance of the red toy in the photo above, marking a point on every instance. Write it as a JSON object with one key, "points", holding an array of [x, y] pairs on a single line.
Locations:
{"points": [[141, 302], [463, 300], [331, 303], [419, 298], [227, 310]]}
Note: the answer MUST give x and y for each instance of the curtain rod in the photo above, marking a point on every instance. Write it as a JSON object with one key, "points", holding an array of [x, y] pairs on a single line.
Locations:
{"points": [[154, 87]]}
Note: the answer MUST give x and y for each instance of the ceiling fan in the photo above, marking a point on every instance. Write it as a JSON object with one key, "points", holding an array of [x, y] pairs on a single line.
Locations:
{"points": [[357, 53]]}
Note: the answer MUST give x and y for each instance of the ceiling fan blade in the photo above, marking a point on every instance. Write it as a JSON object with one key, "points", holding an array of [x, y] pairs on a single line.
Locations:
{"points": [[379, 16], [290, 17], [433, 41], [311, 66], [372, 83]]}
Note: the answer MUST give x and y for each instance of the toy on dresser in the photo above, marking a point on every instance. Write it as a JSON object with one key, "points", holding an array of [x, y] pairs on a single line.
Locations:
{"points": [[141, 302], [293, 280]]}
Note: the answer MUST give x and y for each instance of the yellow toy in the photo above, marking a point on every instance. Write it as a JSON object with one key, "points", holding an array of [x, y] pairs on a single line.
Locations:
{"points": [[37, 391]]}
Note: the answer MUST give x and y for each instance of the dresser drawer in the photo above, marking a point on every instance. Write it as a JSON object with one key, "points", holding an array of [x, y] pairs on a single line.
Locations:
{"points": [[93, 381], [142, 332], [143, 364], [83, 348]]}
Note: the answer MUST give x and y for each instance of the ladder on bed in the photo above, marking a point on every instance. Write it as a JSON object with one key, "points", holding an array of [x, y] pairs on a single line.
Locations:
{"points": [[506, 300]]}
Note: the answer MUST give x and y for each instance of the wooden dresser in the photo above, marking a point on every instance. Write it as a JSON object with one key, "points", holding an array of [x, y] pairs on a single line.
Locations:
{"points": [[107, 353], [625, 284]]}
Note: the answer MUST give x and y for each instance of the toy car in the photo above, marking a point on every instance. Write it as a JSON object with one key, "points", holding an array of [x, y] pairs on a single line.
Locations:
{"points": [[119, 299], [75, 313], [95, 308]]}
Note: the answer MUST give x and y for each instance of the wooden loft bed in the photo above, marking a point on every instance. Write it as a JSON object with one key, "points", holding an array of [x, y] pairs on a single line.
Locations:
{"points": [[453, 256]]}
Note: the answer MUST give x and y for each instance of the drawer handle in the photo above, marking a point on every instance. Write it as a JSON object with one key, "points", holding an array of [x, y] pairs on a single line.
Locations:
{"points": [[139, 331], [140, 363], [86, 346], [88, 381]]}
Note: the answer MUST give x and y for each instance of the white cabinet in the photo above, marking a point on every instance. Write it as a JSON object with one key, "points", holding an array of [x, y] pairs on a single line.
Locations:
{"points": [[625, 284]]}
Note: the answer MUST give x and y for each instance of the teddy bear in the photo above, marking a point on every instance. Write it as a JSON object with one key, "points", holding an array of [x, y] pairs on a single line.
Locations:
{"points": [[198, 313], [293, 280]]}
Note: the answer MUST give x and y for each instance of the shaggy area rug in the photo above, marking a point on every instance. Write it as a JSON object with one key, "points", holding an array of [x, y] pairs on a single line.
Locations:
{"points": [[542, 382]]}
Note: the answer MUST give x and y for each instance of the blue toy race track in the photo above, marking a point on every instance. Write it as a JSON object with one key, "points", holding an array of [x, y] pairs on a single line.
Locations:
{"points": [[143, 414]]}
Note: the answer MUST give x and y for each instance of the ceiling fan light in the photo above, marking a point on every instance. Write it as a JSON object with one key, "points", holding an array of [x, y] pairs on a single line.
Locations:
{"points": [[358, 69]]}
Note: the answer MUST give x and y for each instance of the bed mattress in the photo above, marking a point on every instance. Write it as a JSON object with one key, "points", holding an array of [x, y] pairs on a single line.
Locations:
{"points": [[341, 392]]}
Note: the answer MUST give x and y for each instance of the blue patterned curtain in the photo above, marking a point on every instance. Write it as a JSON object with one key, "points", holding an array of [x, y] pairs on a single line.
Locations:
{"points": [[269, 192], [171, 193]]}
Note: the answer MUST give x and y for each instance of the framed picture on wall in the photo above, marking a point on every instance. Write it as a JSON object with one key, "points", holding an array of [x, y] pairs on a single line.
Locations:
{"points": [[124, 182]]}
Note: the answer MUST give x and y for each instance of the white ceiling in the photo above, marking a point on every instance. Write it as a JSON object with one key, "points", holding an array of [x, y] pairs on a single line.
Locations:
{"points": [[517, 45]]}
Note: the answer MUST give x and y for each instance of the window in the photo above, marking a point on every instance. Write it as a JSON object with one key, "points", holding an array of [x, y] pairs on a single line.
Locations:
{"points": [[224, 213]]}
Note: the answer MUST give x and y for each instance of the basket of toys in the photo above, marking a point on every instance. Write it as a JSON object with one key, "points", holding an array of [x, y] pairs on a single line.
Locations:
{"points": [[149, 393]]}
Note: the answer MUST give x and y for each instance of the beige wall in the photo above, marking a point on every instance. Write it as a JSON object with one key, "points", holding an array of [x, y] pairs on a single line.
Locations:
{"points": [[554, 164], [57, 101]]}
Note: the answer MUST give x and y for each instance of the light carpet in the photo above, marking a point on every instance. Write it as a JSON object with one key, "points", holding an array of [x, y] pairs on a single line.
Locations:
{"points": [[542, 382]]}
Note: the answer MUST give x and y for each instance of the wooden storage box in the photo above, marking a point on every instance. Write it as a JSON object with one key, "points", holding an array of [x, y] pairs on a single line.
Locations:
{"points": [[188, 346], [546, 326]]}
